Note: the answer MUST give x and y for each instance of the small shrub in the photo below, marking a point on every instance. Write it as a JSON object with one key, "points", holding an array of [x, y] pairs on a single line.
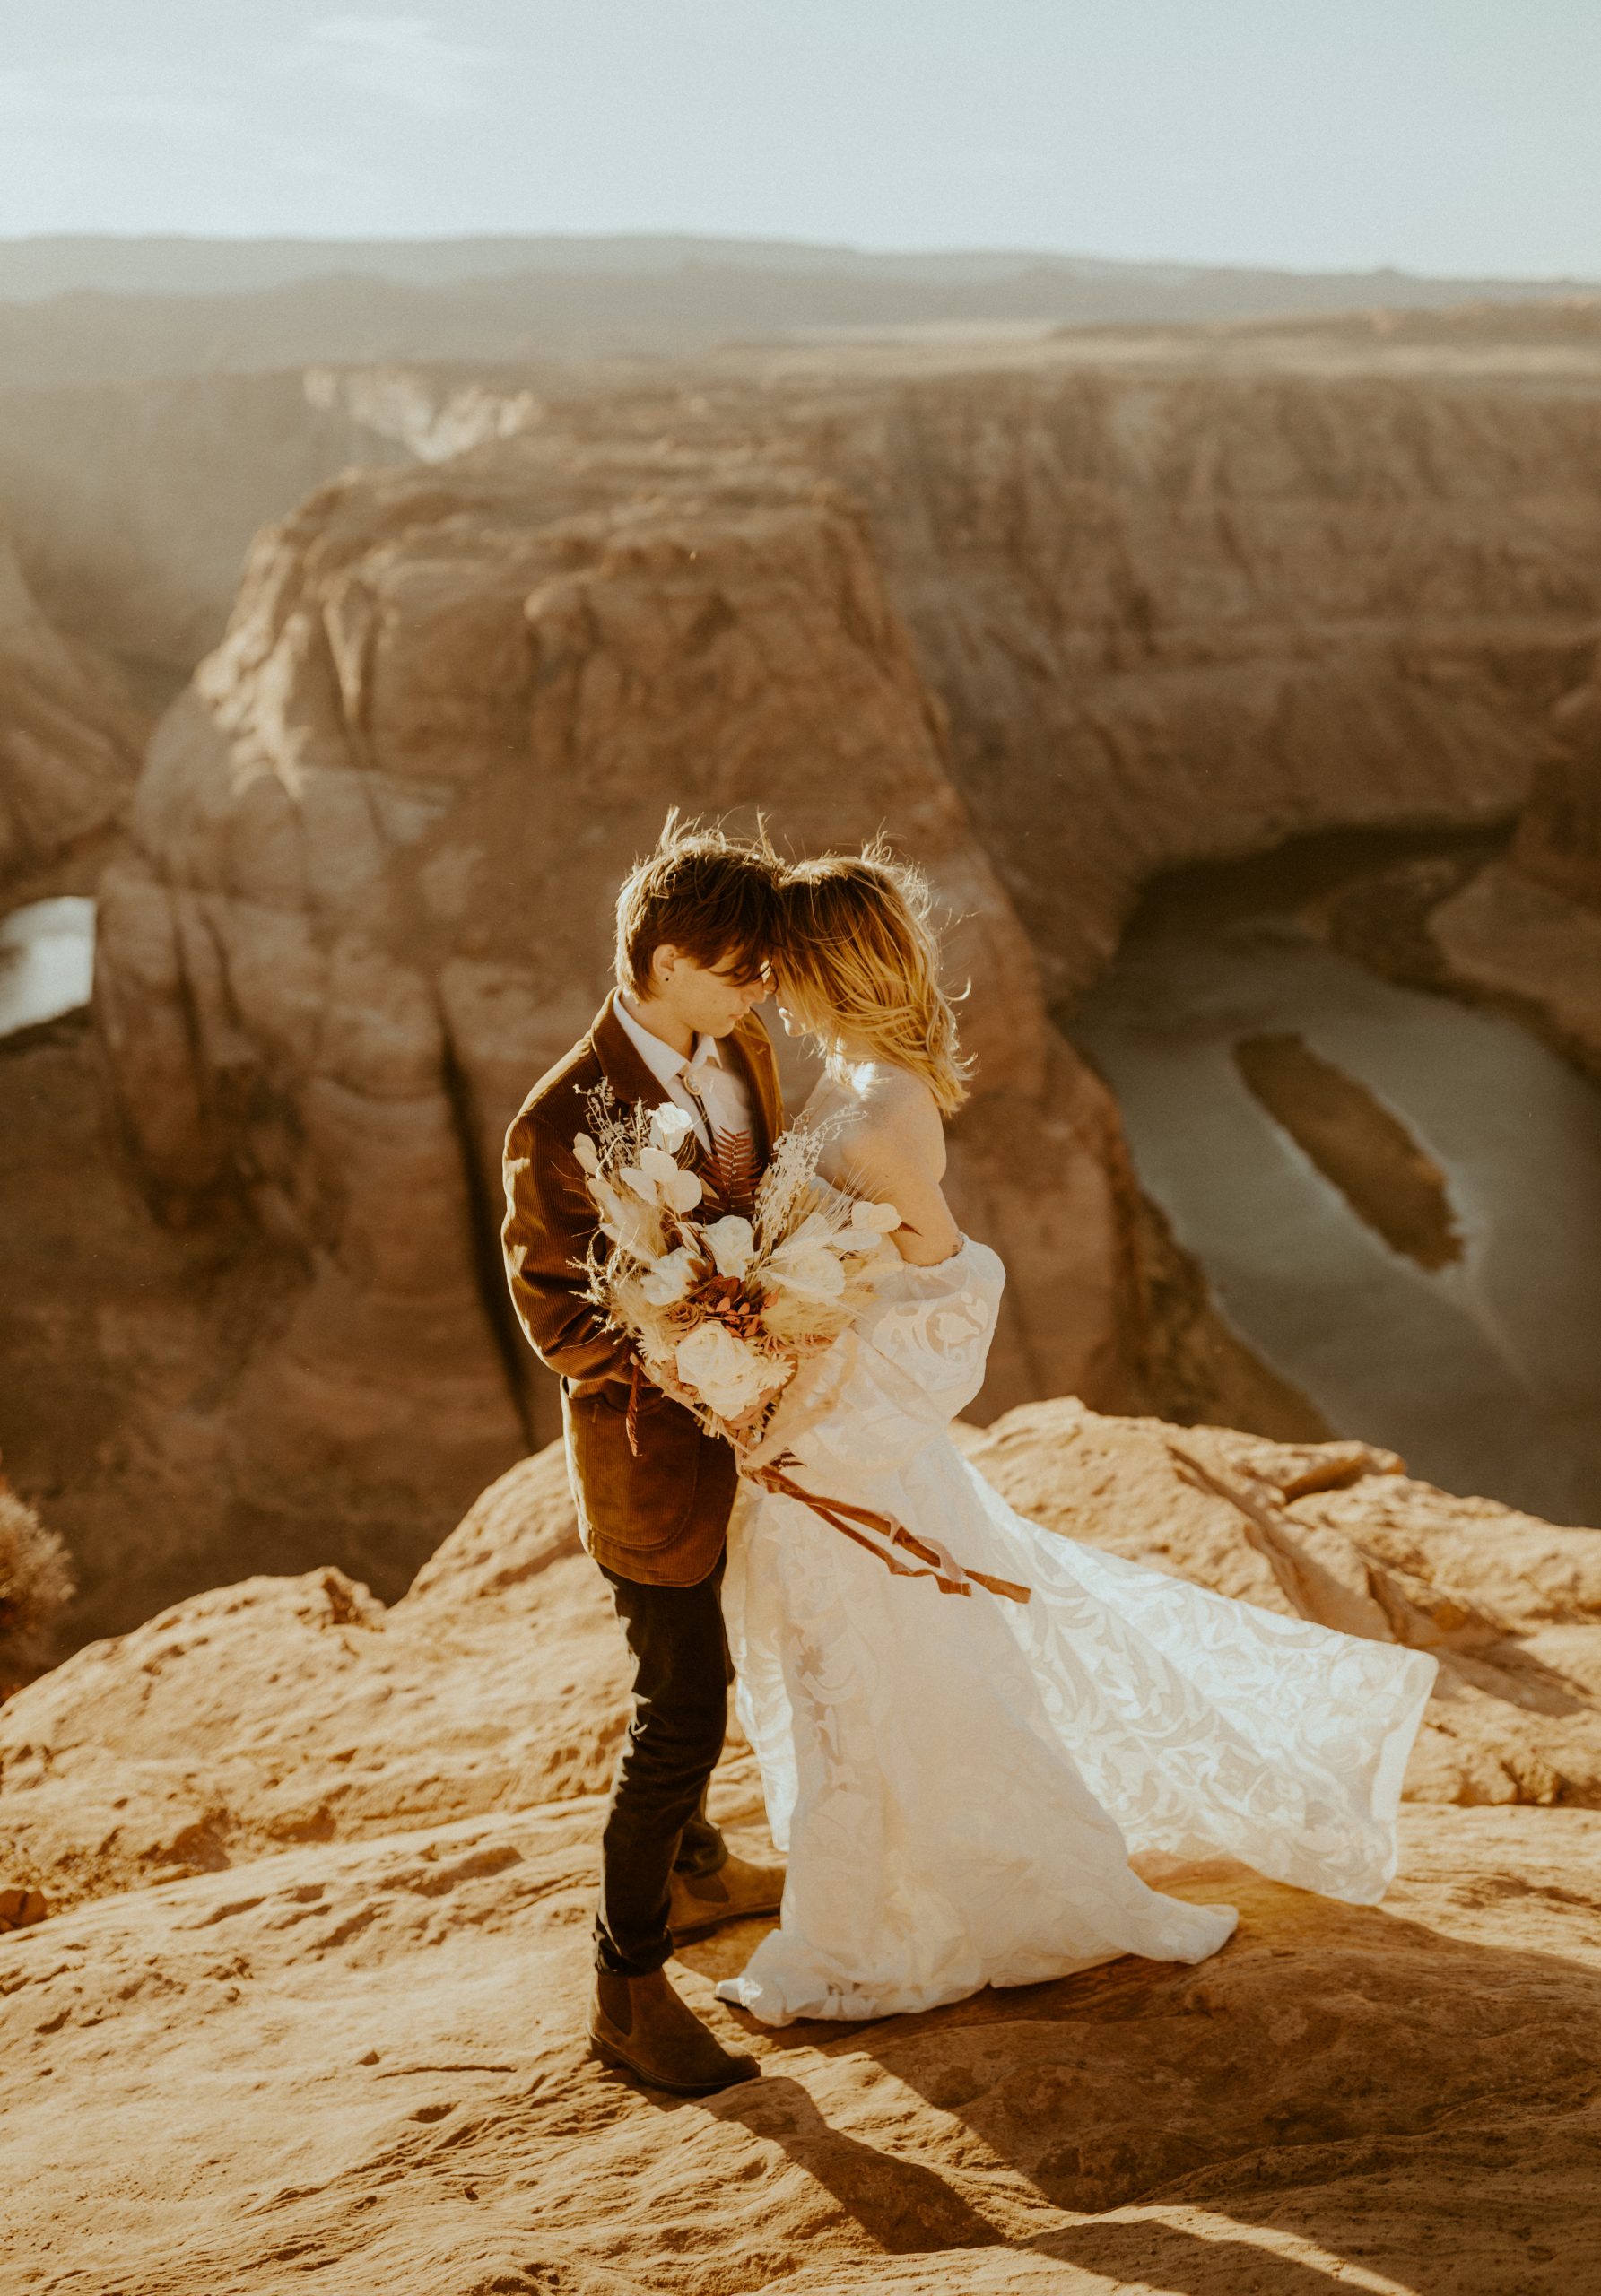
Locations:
{"points": [[36, 1585]]}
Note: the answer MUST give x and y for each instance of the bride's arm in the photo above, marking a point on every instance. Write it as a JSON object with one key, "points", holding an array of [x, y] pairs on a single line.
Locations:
{"points": [[898, 1156]]}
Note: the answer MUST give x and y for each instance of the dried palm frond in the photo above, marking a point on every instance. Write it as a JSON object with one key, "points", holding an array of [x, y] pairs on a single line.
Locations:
{"points": [[732, 1171]]}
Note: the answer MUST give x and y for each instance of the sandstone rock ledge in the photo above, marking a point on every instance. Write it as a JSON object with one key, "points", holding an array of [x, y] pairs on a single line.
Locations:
{"points": [[313, 2002]]}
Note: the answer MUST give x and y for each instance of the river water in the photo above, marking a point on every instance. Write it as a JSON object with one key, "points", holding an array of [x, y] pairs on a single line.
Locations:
{"points": [[1485, 1375], [46, 961]]}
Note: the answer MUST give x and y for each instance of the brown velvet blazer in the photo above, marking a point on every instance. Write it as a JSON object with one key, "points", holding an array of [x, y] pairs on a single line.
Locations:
{"points": [[660, 1516]]}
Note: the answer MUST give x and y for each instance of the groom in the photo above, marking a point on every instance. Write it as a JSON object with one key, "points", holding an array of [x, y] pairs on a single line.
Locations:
{"points": [[694, 924]]}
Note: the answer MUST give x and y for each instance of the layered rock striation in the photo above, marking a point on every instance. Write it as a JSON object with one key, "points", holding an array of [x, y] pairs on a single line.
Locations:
{"points": [[70, 735], [1184, 618]]}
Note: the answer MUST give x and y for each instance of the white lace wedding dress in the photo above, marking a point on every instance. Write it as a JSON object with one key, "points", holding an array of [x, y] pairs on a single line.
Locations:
{"points": [[959, 1780]]}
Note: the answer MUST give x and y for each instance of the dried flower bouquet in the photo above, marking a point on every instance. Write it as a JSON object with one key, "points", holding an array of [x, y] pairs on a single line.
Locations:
{"points": [[726, 1303], [722, 1304]]}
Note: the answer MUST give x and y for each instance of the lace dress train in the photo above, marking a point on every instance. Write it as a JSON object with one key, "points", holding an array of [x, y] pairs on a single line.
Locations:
{"points": [[960, 1781]]}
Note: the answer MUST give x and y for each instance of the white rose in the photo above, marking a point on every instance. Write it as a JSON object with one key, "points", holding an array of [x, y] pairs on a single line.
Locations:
{"points": [[670, 1278], [810, 1268], [726, 1374], [670, 1127], [732, 1242]]}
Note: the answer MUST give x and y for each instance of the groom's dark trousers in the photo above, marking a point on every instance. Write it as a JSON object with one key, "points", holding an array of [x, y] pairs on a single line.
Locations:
{"points": [[653, 1505], [658, 1816]]}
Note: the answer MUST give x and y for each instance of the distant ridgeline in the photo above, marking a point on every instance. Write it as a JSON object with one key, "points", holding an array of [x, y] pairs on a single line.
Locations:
{"points": [[188, 304]]}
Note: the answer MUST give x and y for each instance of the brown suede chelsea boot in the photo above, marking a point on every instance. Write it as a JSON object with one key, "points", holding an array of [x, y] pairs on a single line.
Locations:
{"points": [[736, 1890], [639, 2025]]}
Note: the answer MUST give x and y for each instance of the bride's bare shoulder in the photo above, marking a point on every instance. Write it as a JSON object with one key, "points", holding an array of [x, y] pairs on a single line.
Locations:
{"points": [[896, 1115], [893, 1150]]}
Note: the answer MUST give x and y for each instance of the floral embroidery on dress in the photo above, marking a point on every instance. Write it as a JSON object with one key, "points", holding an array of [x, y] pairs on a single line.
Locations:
{"points": [[960, 1784]]}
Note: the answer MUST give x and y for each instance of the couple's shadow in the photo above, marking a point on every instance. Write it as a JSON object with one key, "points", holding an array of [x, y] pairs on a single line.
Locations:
{"points": [[1344, 2076]]}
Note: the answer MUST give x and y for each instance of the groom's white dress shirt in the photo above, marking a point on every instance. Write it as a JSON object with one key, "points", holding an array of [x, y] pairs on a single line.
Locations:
{"points": [[723, 1095]]}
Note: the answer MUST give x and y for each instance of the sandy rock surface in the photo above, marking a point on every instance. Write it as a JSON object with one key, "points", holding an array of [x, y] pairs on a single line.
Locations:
{"points": [[360, 2059], [312, 2000], [289, 1709], [300, 1710]]}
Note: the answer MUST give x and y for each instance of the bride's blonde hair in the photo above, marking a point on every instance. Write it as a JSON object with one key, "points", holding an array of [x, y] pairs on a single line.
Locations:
{"points": [[856, 959]]}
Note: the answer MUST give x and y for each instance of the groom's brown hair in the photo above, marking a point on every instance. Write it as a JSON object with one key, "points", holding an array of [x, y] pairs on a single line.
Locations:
{"points": [[709, 894]]}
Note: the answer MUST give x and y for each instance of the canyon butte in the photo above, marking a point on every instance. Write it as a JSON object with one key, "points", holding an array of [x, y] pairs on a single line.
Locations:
{"points": [[316, 1814]]}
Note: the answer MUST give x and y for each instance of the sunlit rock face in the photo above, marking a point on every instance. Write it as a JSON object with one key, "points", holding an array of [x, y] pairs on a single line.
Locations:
{"points": [[378, 843], [257, 1715], [69, 735]]}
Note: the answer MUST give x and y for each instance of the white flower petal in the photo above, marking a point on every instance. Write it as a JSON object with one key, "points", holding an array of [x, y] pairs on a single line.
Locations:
{"points": [[726, 1374], [812, 1269], [881, 1219], [683, 1191], [583, 1148], [732, 1242], [670, 1278], [670, 1127]]}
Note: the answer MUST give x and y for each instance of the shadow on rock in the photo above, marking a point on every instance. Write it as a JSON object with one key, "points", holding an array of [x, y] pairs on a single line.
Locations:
{"points": [[1403, 2103], [907, 2208]]}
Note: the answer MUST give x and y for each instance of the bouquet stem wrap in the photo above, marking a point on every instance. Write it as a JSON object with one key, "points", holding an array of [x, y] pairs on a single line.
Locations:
{"points": [[951, 1577]]}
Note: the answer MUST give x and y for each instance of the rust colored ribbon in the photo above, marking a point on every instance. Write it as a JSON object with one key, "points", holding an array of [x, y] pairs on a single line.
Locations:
{"points": [[951, 1577]]}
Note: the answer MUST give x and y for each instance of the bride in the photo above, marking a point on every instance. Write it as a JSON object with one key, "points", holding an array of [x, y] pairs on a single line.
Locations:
{"points": [[960, 1782]]}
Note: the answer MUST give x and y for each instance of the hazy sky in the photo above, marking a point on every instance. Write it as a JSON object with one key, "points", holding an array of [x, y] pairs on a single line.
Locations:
{"points": [[1450, 136]]}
